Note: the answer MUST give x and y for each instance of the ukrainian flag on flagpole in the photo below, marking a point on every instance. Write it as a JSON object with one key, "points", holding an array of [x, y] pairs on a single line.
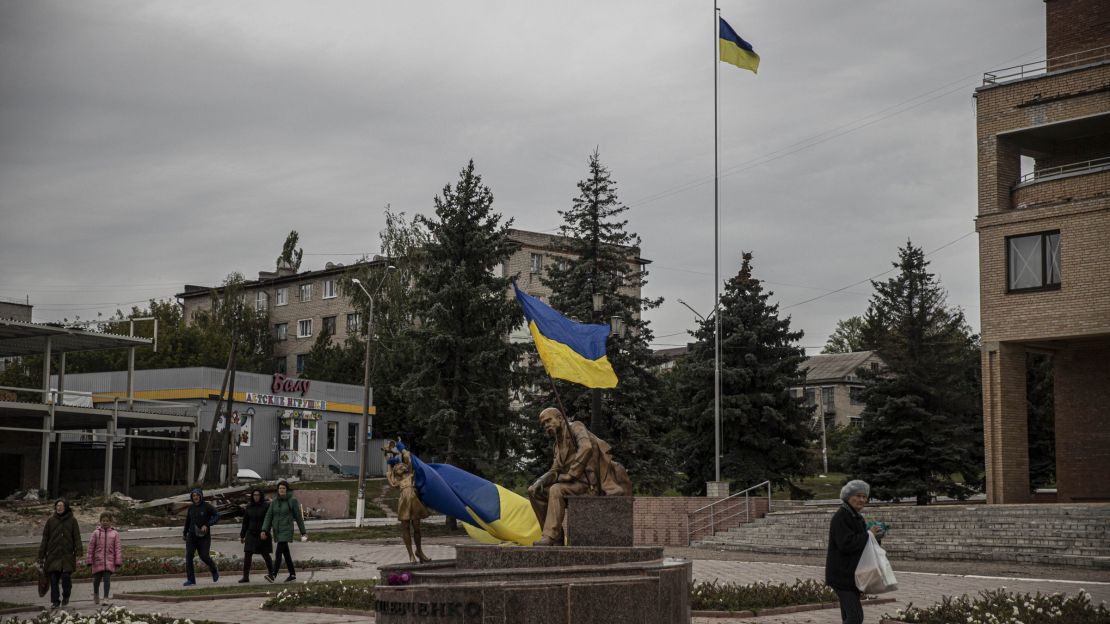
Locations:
{"points": [[571, 351], [736, 51], [489, 512]]}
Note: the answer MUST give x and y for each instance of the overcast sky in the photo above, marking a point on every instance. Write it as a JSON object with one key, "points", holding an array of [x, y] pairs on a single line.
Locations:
{"points": [[146, 145]]}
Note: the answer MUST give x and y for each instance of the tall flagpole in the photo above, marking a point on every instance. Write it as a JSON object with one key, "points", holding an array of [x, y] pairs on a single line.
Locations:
{"points": [[716, 255]]}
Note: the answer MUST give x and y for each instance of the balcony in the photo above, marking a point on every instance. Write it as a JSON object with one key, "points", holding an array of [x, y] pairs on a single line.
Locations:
{"points": [[1046, 66], [1064, 171]]}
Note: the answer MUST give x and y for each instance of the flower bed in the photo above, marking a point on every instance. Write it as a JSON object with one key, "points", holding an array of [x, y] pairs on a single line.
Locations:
{"points": [[358, 595], [26, 572], [1001, 607], [111, 615], [714, 596]]}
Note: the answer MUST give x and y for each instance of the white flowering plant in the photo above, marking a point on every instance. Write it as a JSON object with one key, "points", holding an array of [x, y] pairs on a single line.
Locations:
{"points": [[715, 596], [354, 594], [110, 615], [1000, 606]]}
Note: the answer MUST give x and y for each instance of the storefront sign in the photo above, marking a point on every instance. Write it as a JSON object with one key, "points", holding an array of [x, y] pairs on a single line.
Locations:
{"points": [[284, 401], [281, 383]]}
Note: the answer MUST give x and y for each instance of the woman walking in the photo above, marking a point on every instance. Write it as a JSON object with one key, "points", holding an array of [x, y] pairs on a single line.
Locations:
{"points": [[104, 555], [283, 512], [199, 519], [58, 551], [847, 538], [251, 535]]}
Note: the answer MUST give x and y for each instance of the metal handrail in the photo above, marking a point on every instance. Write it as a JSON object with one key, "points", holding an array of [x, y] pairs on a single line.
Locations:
{"points": [[1036, 68], [1053, 172], [691, 529]]}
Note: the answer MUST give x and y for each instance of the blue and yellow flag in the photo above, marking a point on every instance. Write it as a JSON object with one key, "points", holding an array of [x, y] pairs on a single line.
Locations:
{"points": [[489, 512], [736, 51], [571, 351]]}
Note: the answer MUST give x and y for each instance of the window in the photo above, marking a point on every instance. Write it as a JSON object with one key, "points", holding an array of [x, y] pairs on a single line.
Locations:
{"points": [[855, 395], [304, 328], [329, 325], [282, 296], [305, 292], [827, 400], [354, 322], [260, 300], [302, 361], [329, 289], [333, 435], [352, 437], [279, 365], [537, 262], [281, 331], [811, 397], [1033, 261], [562, 264]]}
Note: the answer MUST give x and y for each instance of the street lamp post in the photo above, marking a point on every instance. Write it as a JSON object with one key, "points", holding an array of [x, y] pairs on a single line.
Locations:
{"points": [[367, 398]]}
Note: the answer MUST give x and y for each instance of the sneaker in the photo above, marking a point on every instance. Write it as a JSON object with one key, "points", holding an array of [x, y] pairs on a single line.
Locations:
{"points": [[245, 579], [216, 577], [55, 605], [65, 602], [270, 578], [290, 578], [96, 599], [189, 583]]}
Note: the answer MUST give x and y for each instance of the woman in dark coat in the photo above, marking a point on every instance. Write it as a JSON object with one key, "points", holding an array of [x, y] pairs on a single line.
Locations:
{"points": [[251, 535], [58, 551], [847, 538]]}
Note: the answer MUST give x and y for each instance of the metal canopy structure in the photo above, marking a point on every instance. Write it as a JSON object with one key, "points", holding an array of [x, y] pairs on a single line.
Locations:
{"points": [[52, 416], [21, 338]]}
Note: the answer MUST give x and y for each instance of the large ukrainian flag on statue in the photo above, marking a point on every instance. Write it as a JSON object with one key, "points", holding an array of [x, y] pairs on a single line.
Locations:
{"points": [[489, 512], [571, 351]]}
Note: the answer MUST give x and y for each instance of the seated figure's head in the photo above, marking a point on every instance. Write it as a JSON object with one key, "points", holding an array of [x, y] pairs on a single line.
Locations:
{"points": [[551, 419]]}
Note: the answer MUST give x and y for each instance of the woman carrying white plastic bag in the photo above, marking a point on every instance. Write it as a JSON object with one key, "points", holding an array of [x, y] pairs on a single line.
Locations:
{"points": [[848, 537], [873, 573]]}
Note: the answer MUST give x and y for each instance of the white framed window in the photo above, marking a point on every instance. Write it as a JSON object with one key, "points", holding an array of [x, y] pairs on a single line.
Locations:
{"points": [[537, 263], [260, 300], [305, 291], [282, 296], [329, 289], [281, 331], [304, 328], [354, 322]]}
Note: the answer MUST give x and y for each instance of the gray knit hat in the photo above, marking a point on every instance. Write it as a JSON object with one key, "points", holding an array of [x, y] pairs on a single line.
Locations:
{"points": [[854, 486]]}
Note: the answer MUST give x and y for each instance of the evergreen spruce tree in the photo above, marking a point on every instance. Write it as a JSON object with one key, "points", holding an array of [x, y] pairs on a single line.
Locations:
{"points": [[596, 254], [765, 431], [462, 369], [921, 423]]}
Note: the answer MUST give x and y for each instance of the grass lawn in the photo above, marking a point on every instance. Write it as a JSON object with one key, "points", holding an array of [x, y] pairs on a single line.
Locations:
{"points": [[827, 486], [31, 553], [356, 594], [374, 489], [10, 605], [393, 531]]}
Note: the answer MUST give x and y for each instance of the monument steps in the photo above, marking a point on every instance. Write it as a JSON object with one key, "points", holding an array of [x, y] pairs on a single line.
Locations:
{"points": [[1069, 534]]}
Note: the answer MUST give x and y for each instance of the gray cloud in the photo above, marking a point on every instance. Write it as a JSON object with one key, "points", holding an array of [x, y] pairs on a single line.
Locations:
{"points": [[147, 145]]}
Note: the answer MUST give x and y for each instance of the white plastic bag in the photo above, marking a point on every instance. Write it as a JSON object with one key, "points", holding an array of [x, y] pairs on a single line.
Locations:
{"points": [[873, 573]]}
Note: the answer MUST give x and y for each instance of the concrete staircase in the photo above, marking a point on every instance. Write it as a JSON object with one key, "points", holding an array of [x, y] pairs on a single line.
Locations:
{"points": [[1066, 534]]}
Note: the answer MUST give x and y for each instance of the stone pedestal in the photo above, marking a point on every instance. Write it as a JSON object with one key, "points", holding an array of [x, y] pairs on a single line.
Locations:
{"points": [[599, 521], [716, 489], [530, 585]]}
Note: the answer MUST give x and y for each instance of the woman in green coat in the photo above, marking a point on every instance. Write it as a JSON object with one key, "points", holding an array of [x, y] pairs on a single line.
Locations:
{"points": [[283, 512], [58, 551]]}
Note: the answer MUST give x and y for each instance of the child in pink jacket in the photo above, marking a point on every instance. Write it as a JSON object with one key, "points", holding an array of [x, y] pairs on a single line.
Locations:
{"points": [[104, 555]]}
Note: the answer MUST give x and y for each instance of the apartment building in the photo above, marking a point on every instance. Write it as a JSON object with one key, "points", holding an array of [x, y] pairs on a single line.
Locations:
{"points": [[1043, 220]]}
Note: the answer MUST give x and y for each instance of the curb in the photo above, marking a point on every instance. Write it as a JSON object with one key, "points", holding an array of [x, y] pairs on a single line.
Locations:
{"points": [[334, 611], [23, 609], [791, 609], [151, 577], [160, 598]]}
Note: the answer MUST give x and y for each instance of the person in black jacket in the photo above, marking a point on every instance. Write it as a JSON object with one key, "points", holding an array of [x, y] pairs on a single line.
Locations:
{"points": [[58, 551], [199, 518], [251, 535], [847, 538]]}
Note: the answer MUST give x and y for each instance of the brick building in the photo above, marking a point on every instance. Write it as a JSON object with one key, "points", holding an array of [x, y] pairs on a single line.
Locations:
{"points": [[1044, 234], [300, 305], [833, 386]]}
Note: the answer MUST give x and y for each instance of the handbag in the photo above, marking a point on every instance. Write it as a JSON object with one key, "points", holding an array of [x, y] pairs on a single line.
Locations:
{"points": [[873, 573], [44, 581]]}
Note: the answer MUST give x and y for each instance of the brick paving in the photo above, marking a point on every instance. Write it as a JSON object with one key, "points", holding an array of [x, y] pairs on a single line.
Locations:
{"points": [[921, 588]]}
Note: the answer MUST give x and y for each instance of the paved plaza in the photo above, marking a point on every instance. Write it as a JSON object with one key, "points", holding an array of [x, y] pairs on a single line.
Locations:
{"points": [[921, 588]]}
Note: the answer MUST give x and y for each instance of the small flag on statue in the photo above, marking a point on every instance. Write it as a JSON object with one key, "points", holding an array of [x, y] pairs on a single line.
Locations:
{"points": [[571, 351], [736, 51]]}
